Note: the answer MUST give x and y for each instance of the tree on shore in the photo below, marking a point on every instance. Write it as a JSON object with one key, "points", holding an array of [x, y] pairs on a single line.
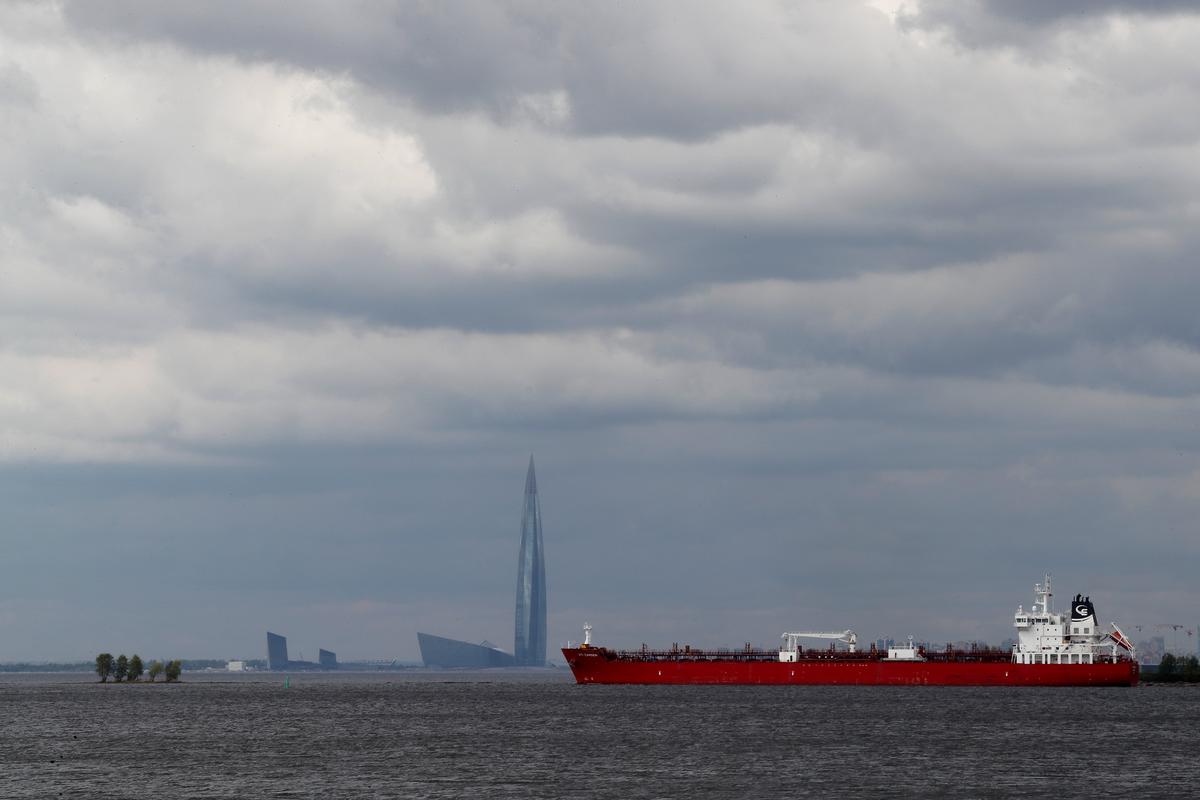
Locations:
{"points": [[156, 668], [1166, 668], [172, 670], [121, 669], [104, 666], [1174, 668], [136, 668]]}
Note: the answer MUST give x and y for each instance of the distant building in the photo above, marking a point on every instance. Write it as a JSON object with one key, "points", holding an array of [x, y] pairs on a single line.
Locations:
{"points": [[1152, 650], [529, 645], [277, 655], [236, 666], [438, 651]]}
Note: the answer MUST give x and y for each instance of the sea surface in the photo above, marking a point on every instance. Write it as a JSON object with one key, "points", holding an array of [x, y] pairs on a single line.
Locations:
{"points": [[496, 735]]}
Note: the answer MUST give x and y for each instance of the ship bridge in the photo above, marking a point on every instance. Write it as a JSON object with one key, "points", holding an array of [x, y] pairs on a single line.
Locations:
{"points": [[1047, 637]]}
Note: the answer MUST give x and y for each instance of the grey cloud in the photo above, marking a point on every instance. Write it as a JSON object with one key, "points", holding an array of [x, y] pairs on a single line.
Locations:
{"points": [[1023, 22], [499, 51], [17, 87], [1013, 312], [914, 215], [659, 69]]}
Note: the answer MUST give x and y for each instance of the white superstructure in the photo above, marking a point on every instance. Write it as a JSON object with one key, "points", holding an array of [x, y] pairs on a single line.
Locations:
{"points": [[1047, 637], [910, 653], [790, 649]]}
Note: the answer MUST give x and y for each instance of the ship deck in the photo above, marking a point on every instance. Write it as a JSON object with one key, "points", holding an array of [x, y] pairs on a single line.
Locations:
{"points": [[687, 654]]}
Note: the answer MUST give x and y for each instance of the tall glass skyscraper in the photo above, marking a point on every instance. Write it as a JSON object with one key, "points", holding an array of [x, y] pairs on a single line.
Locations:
{"points": [[530, 644]]}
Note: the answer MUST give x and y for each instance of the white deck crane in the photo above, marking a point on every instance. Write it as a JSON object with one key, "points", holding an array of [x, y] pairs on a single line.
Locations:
{"points": [[790, 649]]}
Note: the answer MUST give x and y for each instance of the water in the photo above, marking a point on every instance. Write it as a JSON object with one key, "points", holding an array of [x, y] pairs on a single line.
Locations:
{"points": [[421, 735]]}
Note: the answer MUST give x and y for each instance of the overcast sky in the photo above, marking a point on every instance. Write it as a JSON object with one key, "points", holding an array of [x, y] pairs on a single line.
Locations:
{"points": [[813, 315]]}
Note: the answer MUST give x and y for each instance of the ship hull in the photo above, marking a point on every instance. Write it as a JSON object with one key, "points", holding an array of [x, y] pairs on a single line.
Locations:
{"points": [[598, 665]]}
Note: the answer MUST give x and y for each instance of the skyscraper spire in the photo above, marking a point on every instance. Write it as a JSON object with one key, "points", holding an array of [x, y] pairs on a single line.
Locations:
{"points": [[529, 646]]}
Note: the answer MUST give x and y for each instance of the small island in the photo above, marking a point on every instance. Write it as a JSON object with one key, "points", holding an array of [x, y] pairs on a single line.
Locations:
{"points": [[130, 670]]}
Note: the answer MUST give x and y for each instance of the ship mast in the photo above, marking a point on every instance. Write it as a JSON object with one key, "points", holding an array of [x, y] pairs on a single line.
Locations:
{"points": [[1043, 593]]}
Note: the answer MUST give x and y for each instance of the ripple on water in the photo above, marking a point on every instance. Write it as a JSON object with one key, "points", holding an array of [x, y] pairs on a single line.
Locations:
{"points": [[431, 735]]}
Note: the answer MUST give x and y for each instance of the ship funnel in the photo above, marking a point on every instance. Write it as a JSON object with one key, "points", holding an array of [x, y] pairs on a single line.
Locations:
{"points": [[1082, 611]]}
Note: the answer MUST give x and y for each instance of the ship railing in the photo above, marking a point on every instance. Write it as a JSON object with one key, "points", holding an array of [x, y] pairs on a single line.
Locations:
{"points": [[739, 655], [977, 655], [697, 655]]}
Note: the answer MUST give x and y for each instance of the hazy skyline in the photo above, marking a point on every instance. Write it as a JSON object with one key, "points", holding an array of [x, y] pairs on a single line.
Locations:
{"points": [[813, 314]]}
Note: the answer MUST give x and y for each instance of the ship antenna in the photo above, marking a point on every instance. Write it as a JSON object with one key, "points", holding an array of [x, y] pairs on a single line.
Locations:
{"points": [[1042, 590]]}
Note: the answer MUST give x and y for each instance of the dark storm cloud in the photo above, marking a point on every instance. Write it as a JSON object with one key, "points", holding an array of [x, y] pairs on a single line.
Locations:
{"points": [[992, 22], [916, 211], [498, 50], [659, 69]]}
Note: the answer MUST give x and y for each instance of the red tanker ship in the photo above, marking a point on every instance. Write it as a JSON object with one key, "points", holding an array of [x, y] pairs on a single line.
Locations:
{"points": [[1051, 650]]}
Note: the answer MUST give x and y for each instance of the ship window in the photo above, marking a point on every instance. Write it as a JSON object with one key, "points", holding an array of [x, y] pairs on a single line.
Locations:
{"points": [[1087, 630], [1075, 629]]}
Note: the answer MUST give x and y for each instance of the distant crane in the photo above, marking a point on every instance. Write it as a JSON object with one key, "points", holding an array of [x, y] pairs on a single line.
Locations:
{"points": [[1175, 637]]}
